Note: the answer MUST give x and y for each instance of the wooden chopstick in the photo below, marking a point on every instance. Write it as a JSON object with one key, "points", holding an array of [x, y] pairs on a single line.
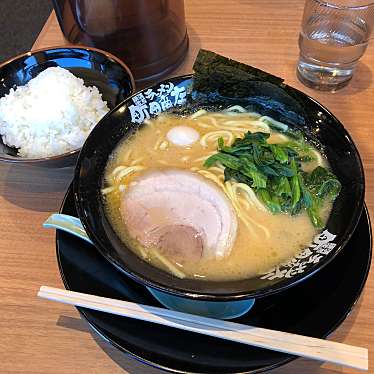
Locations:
{"points": [[313, 348]]}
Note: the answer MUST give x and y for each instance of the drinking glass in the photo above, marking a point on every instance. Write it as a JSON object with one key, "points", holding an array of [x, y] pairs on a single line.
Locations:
{"points": [[334, 35]]}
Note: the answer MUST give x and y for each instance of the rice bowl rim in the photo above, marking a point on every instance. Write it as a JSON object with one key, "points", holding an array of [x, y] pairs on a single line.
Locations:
{"points": [[69, 46]]}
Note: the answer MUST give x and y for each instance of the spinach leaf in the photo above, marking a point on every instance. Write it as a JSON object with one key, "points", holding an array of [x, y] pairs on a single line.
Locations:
{"points": [[279, 153], [281, 187], [315, 217], [236, 175], [295, 185], [274, 172], [330, 188], [323, 184], [250, 170], [284, 170], [225, 159], [271, 201], [267, 170]]}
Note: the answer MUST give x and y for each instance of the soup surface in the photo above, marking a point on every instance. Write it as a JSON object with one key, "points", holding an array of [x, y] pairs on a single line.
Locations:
{"points": [[172, 149]]}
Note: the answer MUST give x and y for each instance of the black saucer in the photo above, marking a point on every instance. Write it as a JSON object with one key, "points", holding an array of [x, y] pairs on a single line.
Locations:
{"points": [[315, 307]]}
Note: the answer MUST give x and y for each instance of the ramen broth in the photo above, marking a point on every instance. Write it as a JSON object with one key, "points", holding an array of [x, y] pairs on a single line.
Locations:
{"points": [[263, 240]]}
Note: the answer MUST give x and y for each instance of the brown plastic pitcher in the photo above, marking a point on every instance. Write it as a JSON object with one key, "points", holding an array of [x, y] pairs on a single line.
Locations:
{"points": [[150, 36]]}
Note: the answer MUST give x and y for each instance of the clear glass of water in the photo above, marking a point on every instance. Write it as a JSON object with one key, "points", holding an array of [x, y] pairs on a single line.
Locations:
{"points": [[334, 35]]}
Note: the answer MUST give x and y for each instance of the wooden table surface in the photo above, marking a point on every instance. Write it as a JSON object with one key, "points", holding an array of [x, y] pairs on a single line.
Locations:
{"points": [[37, 336]]}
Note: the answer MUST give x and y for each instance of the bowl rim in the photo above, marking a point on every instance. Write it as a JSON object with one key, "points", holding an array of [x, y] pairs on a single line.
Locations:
{"points": [[22, 160], [282, 285]]}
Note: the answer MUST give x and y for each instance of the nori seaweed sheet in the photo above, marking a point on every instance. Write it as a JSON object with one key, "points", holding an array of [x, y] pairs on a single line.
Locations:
{"points": [[229, 78], [220, 82]]}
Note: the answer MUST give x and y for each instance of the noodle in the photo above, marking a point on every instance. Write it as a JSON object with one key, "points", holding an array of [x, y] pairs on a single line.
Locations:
{"points": [[279, 125], [246, 218], [230, 194], [236, 108], [134, 162], [214, 135], [211, 176], [241, 130], [157, 144], [217, 169], [148, 122], [107, 190], [122, 171], [164, 145], [203, 125], [199, 113], [212, 119], [168, 264], [318, 157], [251, 196], [262, 240], [127, 156], [203, 158]]}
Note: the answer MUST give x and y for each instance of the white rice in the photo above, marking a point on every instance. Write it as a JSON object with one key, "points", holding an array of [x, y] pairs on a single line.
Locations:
{"points": [[51, 115]]}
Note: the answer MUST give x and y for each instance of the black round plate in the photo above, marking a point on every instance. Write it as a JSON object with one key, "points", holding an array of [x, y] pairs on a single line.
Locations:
{"points": [[314, 307]]}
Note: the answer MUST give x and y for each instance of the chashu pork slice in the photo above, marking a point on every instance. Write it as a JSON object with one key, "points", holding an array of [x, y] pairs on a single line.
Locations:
{"points": [[181, 213]]}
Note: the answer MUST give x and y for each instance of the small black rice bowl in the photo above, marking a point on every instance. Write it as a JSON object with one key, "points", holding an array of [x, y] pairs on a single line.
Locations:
{"points": [[284, 104], [97, 68]]}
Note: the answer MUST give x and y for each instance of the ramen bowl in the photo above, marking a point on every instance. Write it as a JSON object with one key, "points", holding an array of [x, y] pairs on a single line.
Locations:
{"points": [[284, 104]]}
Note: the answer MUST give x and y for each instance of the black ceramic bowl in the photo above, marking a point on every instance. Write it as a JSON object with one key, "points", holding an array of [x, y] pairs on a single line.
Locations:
{"points": [[97, 68], [282, 103]]}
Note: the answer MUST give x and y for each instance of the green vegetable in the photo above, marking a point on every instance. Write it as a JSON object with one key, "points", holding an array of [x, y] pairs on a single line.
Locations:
{"points": [[279, 153], [274, 172], [250, 170], [282, 188], [323, 186], [271, 201], [275, 125], [225, 159], [295, 185]]}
